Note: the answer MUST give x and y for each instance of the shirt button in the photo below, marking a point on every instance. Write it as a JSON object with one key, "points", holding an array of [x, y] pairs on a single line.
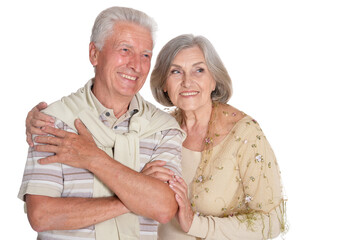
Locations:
{"points": [[107, 114]]}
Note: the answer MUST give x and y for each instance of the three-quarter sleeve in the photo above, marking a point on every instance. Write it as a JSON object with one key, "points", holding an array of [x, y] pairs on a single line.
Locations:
{"points": [[258, 210], [234, 227]]}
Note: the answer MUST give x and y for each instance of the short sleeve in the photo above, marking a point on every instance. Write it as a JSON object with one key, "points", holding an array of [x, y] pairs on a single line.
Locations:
{"points": [[169, 150], [46, 180]]}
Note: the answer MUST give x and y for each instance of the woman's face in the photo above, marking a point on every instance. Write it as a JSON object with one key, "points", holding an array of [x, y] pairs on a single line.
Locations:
{"points": [[189, 84]]}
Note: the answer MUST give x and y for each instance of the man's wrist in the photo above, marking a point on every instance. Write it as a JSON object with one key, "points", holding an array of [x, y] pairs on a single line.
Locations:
{"points": [[97, 160]]}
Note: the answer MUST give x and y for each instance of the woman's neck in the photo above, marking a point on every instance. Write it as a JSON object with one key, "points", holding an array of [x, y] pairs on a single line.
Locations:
{"points": [[198, 119], [195, 124]]}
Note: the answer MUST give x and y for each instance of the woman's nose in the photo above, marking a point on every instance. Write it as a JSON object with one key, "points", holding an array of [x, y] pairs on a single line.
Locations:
{"points": [[186, 81]]}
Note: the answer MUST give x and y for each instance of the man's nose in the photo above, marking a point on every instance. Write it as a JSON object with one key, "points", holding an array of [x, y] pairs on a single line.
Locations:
{"points": [[134, 63]]}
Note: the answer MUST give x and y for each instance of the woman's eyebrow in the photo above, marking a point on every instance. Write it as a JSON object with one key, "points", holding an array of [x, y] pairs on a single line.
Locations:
{"points": [[198, 63], [195, 64]]}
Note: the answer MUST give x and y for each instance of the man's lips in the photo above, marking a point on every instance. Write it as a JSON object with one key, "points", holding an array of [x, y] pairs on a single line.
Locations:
{"points": [[132, 78]]}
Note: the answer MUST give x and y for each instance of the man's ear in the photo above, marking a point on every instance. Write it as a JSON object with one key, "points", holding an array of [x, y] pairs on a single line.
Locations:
{"points": [[93, 54]]}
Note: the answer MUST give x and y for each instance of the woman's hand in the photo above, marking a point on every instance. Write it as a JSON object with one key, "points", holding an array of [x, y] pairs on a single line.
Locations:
{"points": [[157, 170], [77, 150], [35, 120], [185, 213]]}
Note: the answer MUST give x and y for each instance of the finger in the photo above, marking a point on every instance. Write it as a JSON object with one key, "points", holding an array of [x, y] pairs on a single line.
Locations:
{"points": [[50, 159], [56, 132], [176, 187], [36, 123], [156, 163], [43, 117], [153, 169], [29, 135], [180, 201], [82, 129], [182, 183], [29, 139], [46, 148], [48, 140], [161, 176], [32, 131], [37, 115], [36, 131], [161, 173], [41, 106]]}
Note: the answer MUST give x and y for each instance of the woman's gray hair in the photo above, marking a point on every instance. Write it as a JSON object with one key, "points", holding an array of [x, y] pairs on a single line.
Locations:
{"points": [[160, 73], [103, 25]]}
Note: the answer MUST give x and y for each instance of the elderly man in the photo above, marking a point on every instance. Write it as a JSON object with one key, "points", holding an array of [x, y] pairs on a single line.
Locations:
{"points": [[100, 194]]}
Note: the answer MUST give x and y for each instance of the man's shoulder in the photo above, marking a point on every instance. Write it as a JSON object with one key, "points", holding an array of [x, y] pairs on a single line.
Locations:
{"points": [[68, 107], [155, 111]]}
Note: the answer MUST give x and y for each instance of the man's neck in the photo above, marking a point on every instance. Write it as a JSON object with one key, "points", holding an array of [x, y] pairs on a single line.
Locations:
{"points": [[119, 104]]}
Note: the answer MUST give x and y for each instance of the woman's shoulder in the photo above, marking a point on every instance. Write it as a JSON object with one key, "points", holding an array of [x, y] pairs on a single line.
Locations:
{"points": [[243, 123]]}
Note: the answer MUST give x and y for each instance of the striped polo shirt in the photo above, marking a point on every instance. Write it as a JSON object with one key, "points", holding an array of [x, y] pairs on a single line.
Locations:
{"points": [[60, 180]]}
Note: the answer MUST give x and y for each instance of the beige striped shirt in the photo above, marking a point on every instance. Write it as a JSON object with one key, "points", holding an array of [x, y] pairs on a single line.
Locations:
{"points": [[59, 180]]}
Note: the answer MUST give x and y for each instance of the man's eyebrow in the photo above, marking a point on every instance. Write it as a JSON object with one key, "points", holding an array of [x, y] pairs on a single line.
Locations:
{"points": [[122, 44]]}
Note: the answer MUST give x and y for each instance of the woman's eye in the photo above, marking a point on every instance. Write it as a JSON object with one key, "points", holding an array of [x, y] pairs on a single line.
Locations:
{"points": [[174, 71], [200, 70]]}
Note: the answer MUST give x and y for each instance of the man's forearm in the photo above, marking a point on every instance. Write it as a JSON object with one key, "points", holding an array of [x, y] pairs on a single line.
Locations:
{"points": [[47, 213], [141, 194]]}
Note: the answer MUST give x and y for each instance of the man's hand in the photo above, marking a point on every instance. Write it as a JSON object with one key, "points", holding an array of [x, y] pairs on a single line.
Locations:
{"points": [[76, 150]]}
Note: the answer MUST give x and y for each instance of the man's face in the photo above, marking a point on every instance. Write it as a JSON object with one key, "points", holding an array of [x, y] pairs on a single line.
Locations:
{"points": [[123, 63]]}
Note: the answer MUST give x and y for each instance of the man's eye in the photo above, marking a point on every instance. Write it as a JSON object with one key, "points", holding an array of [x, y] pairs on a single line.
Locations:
{"points": [[200, 70]]}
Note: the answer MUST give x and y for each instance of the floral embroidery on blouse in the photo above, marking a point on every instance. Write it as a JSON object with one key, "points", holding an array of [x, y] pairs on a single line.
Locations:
{"points": [[256, 185]]}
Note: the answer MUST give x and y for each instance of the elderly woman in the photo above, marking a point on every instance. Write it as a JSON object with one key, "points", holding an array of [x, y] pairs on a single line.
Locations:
{"points": [[231, 187]]}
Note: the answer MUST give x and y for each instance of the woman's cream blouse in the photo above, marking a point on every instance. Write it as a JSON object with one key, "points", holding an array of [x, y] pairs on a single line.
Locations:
{"points": [[238, 194]]}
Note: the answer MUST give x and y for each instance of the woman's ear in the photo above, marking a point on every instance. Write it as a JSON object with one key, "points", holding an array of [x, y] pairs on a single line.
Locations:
{"points": [[214, 85]]}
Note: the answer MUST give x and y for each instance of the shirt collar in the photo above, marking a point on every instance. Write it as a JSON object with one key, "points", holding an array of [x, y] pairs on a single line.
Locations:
{"points": [[108, 113]]}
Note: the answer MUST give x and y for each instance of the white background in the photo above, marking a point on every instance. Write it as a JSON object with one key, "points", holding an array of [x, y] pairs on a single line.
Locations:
{"points": [[295, 66]]}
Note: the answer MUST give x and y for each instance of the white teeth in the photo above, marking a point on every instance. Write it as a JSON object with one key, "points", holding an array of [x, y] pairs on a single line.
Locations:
{"points": [[188, 93], [129, 77]]}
